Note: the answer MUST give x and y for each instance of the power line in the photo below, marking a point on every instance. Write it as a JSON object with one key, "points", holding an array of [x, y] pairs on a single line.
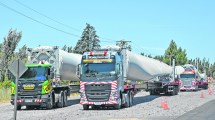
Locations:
{"points": [[2, 4], [68, 26], [143, 49], [46, 16]]}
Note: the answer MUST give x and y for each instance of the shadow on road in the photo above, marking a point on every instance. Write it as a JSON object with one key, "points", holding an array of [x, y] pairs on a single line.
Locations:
{"points": [[73, 102], [143, 99]]}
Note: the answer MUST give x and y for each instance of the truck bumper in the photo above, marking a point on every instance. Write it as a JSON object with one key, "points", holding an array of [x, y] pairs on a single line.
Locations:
{"points": [[42, 101], [190, 88]]}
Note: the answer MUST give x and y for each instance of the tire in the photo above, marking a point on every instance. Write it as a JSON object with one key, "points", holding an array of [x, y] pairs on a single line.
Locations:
{"points": [[118, 106], [60, 102], [127, 103], [65, 104], [176, 90], [152, 92], [86, 107], [130, 99], [205, 86], [50, 103], [19, 107]]}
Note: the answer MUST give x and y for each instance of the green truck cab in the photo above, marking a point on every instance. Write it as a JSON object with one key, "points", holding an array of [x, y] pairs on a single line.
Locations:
{"points": [[36, 89]]}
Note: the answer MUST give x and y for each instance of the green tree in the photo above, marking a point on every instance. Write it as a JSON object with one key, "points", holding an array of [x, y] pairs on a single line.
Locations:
{"points": [[172, 51], [9, 45], [67, 49], [23, 54], [89, 41]]}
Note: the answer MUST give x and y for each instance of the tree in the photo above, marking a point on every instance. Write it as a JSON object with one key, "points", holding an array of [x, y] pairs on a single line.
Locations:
{"points": [[23, 54], [89, 41], [172, 51], [67, 49], [10, 44]]}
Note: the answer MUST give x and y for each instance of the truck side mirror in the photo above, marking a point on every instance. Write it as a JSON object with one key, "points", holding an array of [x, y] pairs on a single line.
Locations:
{"points": [[50, 73], [78, 71], [118, 69]]}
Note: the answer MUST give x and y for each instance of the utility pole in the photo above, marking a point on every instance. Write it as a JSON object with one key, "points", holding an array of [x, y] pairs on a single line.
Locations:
{"points": [[173, 67], [123, 45]]}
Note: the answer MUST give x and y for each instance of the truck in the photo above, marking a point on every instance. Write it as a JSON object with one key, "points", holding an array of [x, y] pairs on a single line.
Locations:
{"points": [[189, 78], [166, 84], [163, 84], [111, 76], [40, 86], [203, 82]]}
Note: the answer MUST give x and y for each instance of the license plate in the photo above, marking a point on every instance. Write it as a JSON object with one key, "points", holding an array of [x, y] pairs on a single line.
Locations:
{"points": [[97, 103], [28, 100], [28, 87]]}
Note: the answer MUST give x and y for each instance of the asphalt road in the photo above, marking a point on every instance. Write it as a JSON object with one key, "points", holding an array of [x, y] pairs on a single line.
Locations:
{"points": [[204, 112], [146, 107]]}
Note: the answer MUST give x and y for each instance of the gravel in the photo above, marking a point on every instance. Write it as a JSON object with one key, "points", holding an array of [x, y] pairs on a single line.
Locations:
{"points": [[145, 107]]}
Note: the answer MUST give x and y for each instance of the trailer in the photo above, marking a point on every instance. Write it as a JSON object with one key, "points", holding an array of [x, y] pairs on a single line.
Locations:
{"points": [[111, 76], [40, 86], [163, 84]]}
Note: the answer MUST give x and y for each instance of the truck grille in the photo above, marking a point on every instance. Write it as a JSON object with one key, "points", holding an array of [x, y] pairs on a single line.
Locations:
{"points": [[187, 83], [98, 93]]}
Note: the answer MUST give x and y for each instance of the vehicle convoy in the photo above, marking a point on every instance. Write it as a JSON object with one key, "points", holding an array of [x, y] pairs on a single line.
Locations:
{"points": [[40, 85], [189, 78], [111, 76]]}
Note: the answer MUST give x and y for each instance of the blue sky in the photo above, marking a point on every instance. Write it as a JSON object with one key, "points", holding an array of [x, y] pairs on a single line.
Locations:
{"points": [[149, 24]]}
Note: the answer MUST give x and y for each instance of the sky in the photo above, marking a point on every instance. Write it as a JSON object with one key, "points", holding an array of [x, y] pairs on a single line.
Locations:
{"points": [[150, 25]]}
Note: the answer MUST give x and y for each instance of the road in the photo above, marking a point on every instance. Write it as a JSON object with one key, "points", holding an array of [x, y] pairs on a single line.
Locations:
{"points": [[145, 107], [204, 112]]}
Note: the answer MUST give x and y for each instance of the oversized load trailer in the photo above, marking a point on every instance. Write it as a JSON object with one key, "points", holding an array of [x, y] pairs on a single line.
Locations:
{"points": [[109, 76], [40, 85]]}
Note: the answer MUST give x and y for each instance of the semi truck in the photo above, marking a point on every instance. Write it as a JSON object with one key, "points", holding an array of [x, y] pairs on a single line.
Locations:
{"points": [[40, 86], [189, 78], [111, 76], [166, 84], [163, 84]]}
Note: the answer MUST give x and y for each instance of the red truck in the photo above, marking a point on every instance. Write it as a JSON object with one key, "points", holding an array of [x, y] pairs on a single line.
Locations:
{"points": [[189, 78]]}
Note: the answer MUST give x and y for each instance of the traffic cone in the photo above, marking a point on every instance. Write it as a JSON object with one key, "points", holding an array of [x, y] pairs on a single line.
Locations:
{"points": [[162, 102], [210, 92], [202, 95], [165, 106]]}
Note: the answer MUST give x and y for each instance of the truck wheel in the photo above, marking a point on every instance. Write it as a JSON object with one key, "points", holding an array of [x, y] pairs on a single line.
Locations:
{"points": [[176, 90], [127, 102], [60, 101], [152, 92], [50, 103], [205, 86], [18, 107], [86, 107], [65, 99], [118, 106], [130, 99]]}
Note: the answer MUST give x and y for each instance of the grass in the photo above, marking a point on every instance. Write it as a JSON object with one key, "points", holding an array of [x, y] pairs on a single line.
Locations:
{"points": [[4, 95]]}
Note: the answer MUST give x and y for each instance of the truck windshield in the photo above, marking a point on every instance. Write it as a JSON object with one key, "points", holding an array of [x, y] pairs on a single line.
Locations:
{"points": [[90, 69], [34, 73], [187, 76]]}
